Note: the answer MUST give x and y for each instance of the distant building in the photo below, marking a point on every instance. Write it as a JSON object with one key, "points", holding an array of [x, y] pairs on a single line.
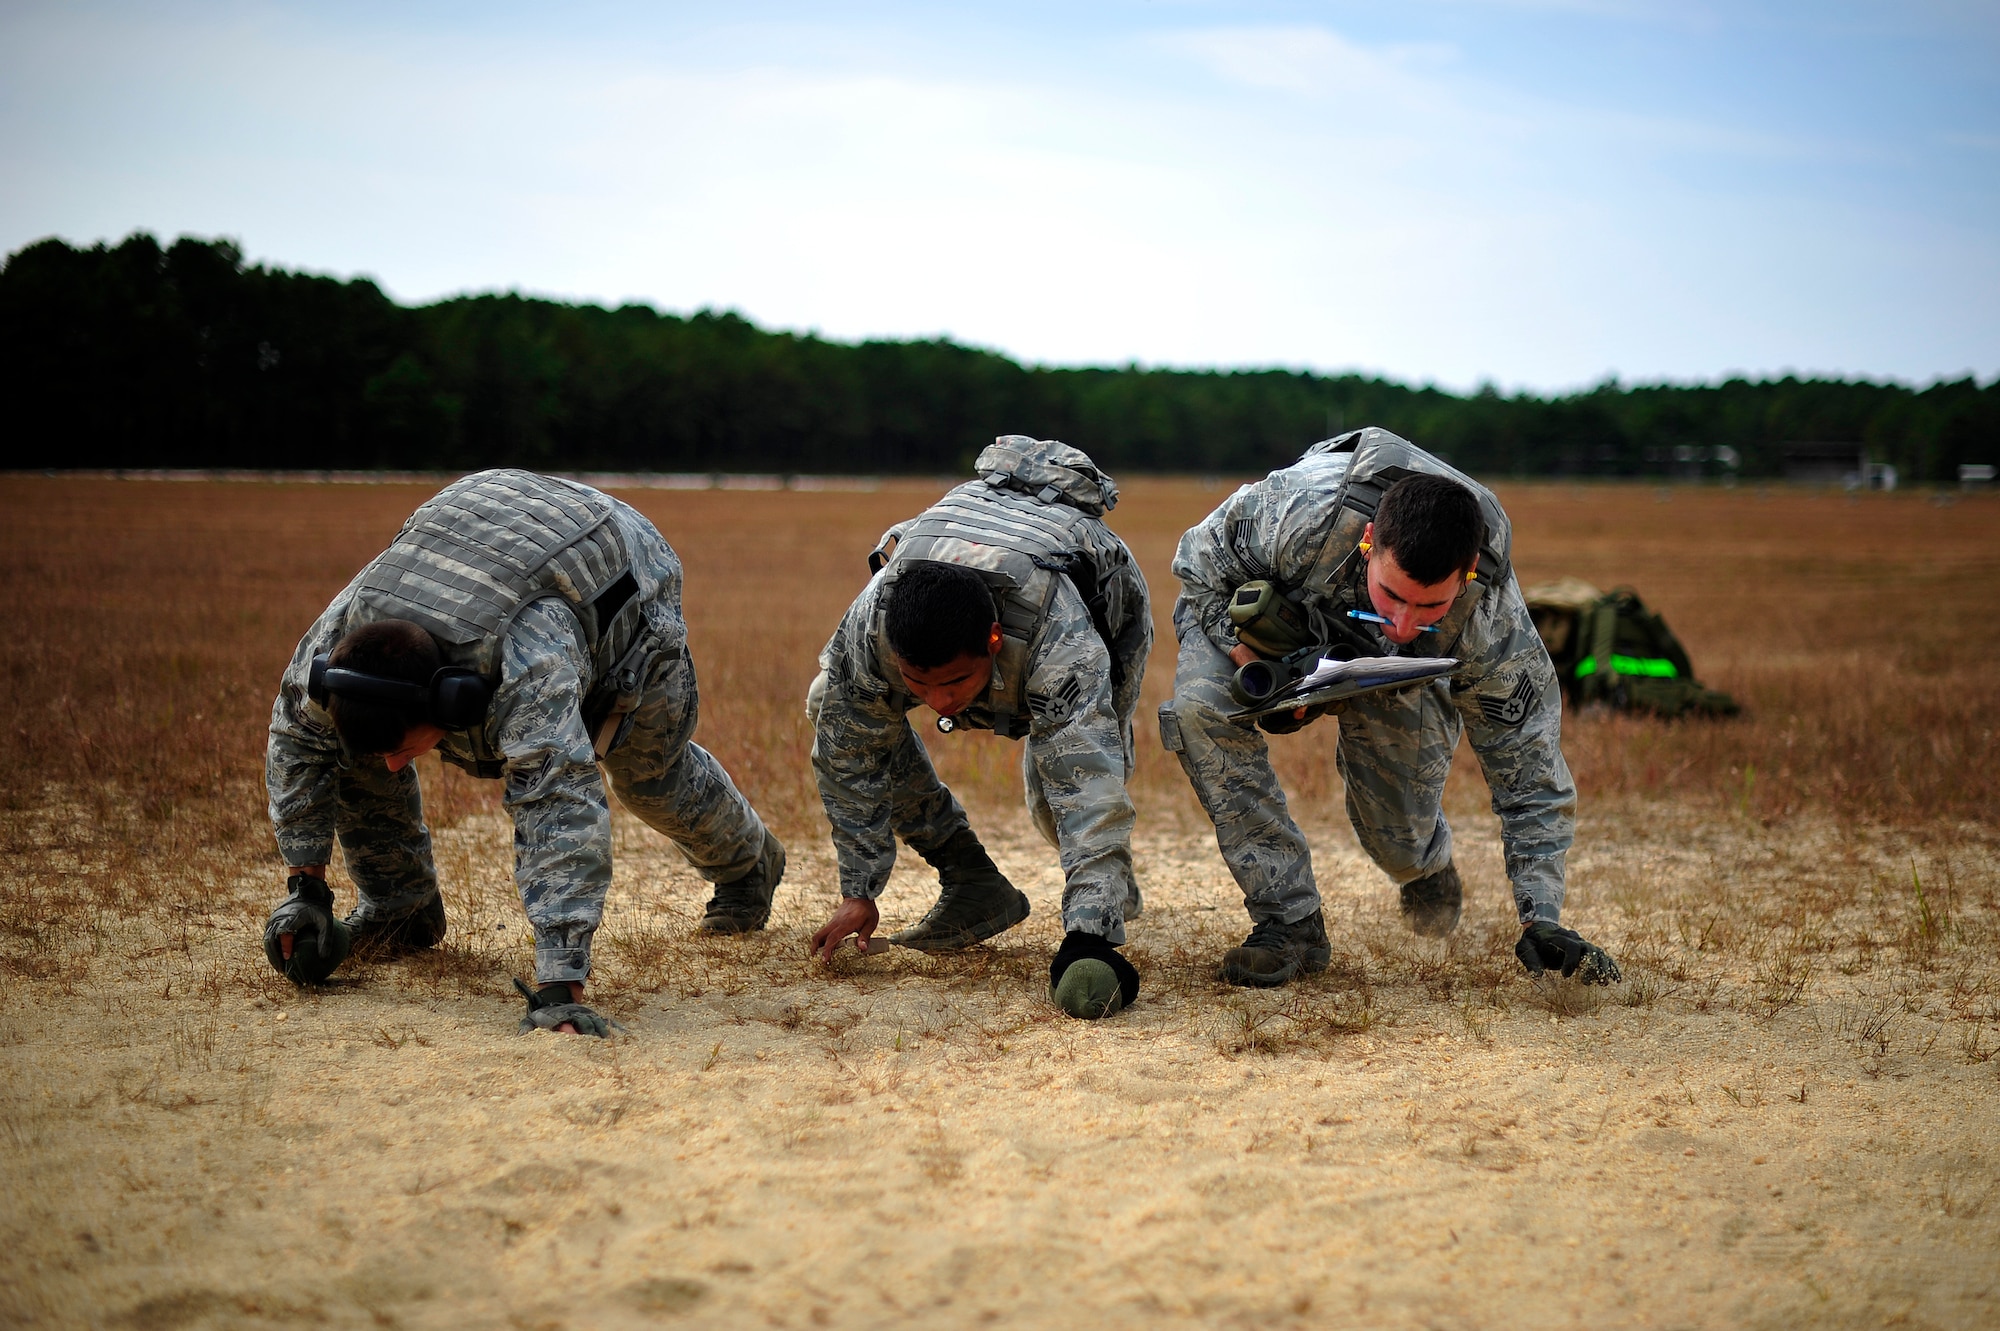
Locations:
{"points": [[1691, 462], [1845, 465], [1826, 464]]}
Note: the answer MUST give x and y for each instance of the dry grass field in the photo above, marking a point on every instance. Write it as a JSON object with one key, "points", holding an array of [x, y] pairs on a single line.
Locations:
{"points": [[1787, 1115]]}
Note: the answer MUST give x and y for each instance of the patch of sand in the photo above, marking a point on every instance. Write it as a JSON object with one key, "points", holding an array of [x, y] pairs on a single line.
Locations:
{"points": [[1764, 1126]]}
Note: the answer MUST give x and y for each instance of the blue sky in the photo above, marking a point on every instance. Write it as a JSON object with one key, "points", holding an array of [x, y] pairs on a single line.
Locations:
{"points": [[1536, 193]]}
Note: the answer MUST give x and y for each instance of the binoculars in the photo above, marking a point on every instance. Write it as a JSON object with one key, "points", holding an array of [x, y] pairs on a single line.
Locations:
{"points": [[1259, 681]]}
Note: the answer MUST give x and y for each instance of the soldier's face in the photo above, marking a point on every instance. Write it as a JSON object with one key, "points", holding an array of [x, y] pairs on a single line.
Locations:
{"points": [[952, 687], [1407, 604], [419, 741]]}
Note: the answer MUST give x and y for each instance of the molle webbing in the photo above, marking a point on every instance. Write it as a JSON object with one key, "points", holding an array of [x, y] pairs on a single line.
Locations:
{"points": [[1380, 459], [467, 561], [1020, 544], [994, 517]]}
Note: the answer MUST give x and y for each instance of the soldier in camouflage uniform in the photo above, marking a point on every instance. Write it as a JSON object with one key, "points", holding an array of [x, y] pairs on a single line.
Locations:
{"points": [[1010, 606], [559, 607], [1310, 530]]}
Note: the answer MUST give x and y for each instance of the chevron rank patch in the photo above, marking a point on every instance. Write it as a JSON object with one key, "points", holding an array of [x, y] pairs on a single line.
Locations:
{"points": [[1055, 708], [1511, 710]]}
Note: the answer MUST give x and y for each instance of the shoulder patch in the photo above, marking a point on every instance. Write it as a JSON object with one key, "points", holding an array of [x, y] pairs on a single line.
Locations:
{"points": [[1511, 710], [1056, 707]]}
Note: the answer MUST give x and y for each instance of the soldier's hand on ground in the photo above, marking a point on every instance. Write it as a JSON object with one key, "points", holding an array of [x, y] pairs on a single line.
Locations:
{"points": [[554, 1007], [856, 916], [1550, 947], [302, 939]]}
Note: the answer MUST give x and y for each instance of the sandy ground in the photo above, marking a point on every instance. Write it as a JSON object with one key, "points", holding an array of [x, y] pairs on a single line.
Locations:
{"points": [[1787, 1115]]}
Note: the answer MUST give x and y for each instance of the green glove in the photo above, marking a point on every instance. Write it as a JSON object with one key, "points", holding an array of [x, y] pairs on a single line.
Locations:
{"points": [[1545, 947], [551, 1006], [319, 941]]}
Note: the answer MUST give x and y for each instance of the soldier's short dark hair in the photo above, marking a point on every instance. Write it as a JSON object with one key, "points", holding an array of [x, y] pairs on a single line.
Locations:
{"points": [[1432, 525], [391, 649], [938, 613]]}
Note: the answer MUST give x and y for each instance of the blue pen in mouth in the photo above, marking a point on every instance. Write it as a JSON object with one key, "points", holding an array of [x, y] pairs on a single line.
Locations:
{"points": [[1374, 618]]}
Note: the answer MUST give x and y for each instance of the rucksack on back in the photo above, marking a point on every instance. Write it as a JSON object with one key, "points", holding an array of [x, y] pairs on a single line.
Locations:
{"points": [[1035, 515], [1609, 648]]}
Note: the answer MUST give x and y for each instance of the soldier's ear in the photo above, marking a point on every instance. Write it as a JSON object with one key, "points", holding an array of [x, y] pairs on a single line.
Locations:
{"points": [[993, 637], [1368, 538]]}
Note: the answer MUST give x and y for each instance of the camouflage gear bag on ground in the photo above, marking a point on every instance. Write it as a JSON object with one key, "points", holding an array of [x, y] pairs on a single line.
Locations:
{"points": [[1609, 648]]}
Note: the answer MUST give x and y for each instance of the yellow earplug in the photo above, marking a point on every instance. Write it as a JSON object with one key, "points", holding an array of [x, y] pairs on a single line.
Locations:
{"points": [[1365, 547], [1473, 576]]}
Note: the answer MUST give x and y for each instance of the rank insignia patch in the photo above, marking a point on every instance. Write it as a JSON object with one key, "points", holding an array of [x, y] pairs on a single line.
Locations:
{"points": [[1512, 709], [1056, 708]]}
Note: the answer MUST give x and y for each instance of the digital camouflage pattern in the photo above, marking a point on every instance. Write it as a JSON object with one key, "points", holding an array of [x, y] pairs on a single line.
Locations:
{"points": [[1394, 749], [877, 782], [534, 740]]}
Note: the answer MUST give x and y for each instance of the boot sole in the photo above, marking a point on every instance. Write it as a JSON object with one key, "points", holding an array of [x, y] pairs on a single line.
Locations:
{"points": [[1310, 962], [1017, 910], [1088, 990]]}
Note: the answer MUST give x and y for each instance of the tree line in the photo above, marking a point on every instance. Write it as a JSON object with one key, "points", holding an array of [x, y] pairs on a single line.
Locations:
{"points": [[139, 355]]}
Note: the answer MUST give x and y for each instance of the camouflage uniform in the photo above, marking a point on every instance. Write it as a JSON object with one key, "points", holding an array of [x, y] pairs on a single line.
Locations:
{"points": [[534, 739], [877, 783], [1394, 749]]}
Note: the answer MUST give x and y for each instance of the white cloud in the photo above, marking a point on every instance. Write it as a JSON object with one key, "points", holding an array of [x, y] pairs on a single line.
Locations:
{"points": [[1239, 195]]}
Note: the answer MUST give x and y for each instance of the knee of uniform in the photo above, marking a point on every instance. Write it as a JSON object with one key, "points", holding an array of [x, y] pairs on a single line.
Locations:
{"points": [[1404, 863], [1193, 728], [1204, 700]]}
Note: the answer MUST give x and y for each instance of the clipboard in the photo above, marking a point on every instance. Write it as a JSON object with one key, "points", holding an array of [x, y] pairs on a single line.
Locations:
{"points": [[1335, 681]]}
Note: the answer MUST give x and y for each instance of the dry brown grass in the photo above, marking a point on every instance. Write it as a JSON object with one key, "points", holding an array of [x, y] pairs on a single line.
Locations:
{"points": [[149, 622], [1810, 952]]}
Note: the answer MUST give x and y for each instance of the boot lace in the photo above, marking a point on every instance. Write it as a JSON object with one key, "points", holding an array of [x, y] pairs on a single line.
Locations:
{"points": [[1273, 934]]}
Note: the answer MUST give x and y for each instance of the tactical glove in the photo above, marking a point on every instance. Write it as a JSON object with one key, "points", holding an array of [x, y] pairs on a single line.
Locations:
{"points": [[1546, 947], [1284, 723], [319, 941], [1090, 978], [551, 1006]]}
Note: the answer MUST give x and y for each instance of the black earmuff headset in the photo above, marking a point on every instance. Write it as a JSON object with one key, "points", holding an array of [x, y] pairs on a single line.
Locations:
{"points": [[455, 698]]}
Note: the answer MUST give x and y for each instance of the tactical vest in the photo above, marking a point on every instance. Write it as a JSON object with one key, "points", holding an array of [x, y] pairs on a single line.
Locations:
{"points": [[1375, 460], [469, 560], [1034, 516]]}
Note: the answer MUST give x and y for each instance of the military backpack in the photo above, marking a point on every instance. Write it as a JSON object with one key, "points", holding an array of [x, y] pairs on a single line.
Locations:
{"points": [[1609, 649], [1034, 517]]}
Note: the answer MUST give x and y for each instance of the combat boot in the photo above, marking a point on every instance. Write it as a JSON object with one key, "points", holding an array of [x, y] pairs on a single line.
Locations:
{"points": [[977, 901], [422, 928], [742, 906], [1432, 904], [1275, 952]]}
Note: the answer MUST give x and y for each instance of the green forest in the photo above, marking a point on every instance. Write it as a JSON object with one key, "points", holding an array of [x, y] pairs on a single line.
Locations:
{"points": [[139, 355]]}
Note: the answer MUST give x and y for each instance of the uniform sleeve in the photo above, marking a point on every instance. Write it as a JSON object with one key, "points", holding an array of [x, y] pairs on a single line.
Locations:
{"points": [[1076, 742], [1511, 703], [1133, 645], [302, 754], [562, 821], [854, 735], [1265, 530]]}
